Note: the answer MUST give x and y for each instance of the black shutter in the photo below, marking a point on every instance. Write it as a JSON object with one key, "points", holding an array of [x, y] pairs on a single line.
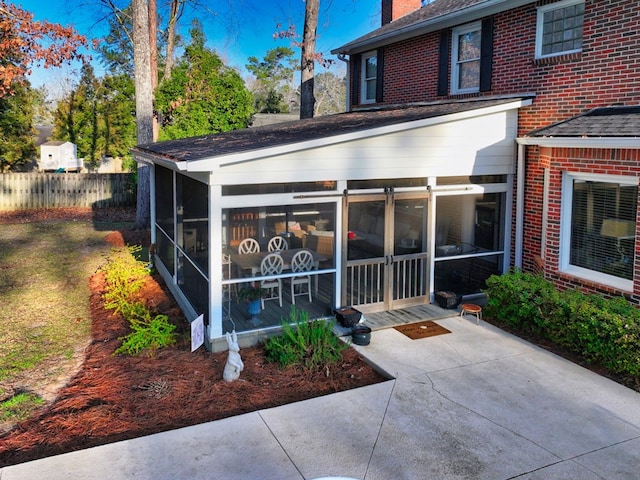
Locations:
{"points": [[356, 63], [443, 63], [486, 54], [379, 74]]}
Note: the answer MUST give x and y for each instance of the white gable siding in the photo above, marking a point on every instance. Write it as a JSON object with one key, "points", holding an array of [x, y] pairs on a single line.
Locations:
{"points": [[475, 146]]}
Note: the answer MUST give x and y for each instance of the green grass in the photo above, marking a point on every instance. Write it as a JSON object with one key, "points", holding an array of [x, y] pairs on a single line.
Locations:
{"points": [[19, 407], [44, 298]]}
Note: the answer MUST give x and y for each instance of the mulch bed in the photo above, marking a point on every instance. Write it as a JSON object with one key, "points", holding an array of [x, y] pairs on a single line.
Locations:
{"points": [[113, 398]]}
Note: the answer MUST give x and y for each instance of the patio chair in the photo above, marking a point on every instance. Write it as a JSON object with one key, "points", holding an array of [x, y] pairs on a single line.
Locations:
{"points": [[277, 243], [301, 262], [248, 245], [272, 264]]}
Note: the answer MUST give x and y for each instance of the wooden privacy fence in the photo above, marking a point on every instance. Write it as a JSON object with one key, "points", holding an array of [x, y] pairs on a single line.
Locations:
{"points": [[23, 191]]}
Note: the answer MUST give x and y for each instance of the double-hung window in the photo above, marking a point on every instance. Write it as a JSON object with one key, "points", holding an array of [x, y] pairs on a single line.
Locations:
{"points": [[465, 58], [598, 228], [559, 28], [369, 77]]}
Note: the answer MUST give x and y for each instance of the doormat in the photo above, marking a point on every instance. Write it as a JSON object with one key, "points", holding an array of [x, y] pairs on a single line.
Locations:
{"points": [[419, 330]]}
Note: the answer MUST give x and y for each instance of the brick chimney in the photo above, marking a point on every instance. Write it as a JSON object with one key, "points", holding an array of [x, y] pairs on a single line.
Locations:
{"points": [[394, 9]]}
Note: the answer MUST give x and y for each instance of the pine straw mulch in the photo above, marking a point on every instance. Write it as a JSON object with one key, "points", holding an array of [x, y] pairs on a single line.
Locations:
{"points": [[113, 398]]}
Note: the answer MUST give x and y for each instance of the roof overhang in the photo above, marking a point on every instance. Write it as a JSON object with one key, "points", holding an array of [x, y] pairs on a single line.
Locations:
{"points": [[458, 17], [582, 142], [213, 163]]}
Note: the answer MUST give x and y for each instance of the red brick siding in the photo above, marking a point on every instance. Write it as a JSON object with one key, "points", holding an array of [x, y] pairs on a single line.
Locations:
{"points": [[574, 160], [607, 71], [394, 9]]}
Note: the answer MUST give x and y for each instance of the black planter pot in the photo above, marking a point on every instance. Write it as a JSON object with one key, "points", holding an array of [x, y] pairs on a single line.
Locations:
{"points": [[360, 335]]}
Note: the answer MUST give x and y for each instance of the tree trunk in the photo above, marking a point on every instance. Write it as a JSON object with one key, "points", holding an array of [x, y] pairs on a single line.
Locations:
{"points": [[174, 14], [153, 52], [144, 103], [307, 100]]}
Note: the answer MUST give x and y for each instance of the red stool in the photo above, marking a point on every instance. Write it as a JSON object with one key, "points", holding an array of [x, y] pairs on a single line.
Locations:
{"points": [[472, 309]]}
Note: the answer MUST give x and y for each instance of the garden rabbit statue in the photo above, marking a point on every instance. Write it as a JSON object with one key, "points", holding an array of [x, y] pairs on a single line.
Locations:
{"points": [[234, 363]]}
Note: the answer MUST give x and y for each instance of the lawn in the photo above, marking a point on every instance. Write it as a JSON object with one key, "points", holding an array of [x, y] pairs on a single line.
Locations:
{"points": [[44, 290]]}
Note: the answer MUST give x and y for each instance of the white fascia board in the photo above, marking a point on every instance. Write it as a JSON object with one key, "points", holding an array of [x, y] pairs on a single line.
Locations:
{"points": [[459, 17], [149, 158], [213, 163], [582, 142]]}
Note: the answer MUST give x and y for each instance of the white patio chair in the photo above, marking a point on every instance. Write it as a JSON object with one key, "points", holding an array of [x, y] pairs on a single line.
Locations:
{"points": [[301, 262], [272, 264], [277, 243], [248, 245]]}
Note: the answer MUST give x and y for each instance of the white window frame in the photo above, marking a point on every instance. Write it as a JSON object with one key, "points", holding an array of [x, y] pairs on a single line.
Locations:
{"points": [[565, 230], [365, 79], [455, 65], [540, 27]]}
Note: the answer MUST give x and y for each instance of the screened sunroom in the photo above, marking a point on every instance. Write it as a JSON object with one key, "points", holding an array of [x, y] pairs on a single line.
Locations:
{"points": [[406, 203]]}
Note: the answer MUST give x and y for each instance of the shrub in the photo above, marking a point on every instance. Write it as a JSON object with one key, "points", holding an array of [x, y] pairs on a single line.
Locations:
{"points": [[148, 334], [606, 331], [309, 344], [521, 300], [125, 276]]}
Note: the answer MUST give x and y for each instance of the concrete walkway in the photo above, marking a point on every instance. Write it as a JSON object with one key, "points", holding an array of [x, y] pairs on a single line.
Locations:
{"points": [[477, 403]]}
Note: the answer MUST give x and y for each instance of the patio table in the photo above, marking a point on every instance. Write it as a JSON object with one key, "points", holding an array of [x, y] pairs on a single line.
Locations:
{"points": [[252, 261]]}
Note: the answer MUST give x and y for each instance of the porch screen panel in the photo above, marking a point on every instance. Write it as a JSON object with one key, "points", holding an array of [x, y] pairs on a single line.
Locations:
{"points": [[192, 207], [164, 216], [603, 226], [164, 199], [470, 231], [193, 284]]}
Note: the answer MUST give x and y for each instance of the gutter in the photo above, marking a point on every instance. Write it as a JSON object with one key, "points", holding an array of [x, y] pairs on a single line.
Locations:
{"points": [[345, 59], [452, 19]]}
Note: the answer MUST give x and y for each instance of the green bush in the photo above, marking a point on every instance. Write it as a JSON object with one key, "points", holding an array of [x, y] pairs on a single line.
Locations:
{"points": [[125, 276], [148, 334], [604, 331], [521, 300], [309, 344]]}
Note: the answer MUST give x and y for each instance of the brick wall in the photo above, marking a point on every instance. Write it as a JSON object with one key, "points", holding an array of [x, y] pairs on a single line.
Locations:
{"points": [[559, 160], [606, 72]]}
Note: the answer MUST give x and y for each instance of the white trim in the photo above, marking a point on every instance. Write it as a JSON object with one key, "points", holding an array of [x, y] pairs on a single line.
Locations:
{"points": [[519, 236], [564, 265], [364, 78], [434, 24], [540, 26], [582, 142], [456, 33]]}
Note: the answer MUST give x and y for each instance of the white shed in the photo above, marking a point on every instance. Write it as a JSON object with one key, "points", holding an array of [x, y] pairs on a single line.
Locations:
{"points": [[56, 154]]}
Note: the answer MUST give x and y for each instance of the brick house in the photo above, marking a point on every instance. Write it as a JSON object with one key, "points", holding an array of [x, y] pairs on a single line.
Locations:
{"points": [[575, 196], [480, 134]]}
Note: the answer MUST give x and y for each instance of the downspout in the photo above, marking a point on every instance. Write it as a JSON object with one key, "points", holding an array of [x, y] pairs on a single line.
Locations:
{"points": [[519, 207], [343, 57]]}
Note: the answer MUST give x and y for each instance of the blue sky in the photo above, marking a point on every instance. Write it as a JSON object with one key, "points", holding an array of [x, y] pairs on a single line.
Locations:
{"points": [[236, 29]]}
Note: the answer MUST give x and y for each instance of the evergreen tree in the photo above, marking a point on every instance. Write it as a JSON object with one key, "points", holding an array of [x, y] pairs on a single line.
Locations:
{"points": [[17, 135], [203, 95], [274, 75]]}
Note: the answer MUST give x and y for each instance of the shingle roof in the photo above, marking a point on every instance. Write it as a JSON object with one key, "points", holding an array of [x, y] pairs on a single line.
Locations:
{"points": [[623, 121], [269, 136], [432, 12]]}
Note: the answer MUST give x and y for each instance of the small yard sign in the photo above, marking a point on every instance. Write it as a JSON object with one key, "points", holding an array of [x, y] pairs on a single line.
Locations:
{"points": [[197, 333]]}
